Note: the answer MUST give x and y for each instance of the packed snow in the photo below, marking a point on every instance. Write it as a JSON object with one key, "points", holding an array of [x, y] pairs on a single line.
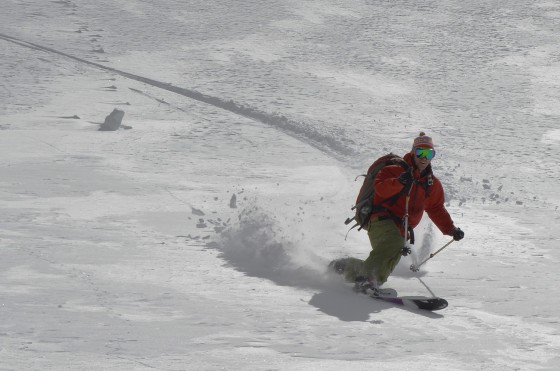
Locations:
{"points": [[198, 239]]}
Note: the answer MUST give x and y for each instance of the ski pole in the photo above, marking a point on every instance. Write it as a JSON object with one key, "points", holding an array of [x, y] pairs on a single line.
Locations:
{"points": [[406, 250], [416, 268]]}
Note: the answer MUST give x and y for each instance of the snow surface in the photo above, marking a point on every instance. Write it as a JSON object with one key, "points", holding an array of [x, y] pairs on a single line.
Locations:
{"points": [[198, 239]]}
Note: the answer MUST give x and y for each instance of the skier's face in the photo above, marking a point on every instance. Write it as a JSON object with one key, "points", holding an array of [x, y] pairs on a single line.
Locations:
{"points": [[421, 163], [423, 157]]}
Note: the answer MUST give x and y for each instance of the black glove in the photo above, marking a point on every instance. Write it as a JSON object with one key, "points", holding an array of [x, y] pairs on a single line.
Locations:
{"points": [[406, 178], [458, 234]]}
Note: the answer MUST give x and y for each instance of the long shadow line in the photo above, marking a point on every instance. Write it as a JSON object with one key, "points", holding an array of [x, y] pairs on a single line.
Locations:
{"points": [[296, 129]]}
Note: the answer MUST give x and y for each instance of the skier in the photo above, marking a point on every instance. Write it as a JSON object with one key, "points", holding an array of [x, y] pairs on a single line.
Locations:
{"points": [[419, 190]]}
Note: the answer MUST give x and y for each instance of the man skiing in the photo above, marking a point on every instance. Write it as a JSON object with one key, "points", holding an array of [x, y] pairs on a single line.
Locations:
{"points": [[400, 199]]}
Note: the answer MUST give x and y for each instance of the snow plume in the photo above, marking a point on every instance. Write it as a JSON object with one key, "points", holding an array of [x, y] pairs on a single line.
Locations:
{"points": [[425, 248], [421, 250], [258, 246]]}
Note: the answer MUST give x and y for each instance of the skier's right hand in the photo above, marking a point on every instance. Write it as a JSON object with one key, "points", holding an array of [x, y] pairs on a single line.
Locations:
{"points": [[406, 178]]}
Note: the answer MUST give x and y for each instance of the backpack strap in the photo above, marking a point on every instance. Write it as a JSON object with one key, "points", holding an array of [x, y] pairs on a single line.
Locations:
{"points": [[427, 184]]}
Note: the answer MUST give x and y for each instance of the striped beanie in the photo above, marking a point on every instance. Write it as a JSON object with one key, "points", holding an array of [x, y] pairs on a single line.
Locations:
{"points": [[423, 141]]}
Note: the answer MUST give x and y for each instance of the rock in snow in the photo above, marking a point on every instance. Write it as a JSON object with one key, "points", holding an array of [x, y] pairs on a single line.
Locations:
{"points": [[112, 121]]}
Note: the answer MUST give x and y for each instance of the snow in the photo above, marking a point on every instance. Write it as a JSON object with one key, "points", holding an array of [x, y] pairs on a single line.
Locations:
{"points": [[199, 238]]}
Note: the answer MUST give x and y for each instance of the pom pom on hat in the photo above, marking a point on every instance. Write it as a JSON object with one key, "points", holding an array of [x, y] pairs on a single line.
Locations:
{"points": [[423, 141]]}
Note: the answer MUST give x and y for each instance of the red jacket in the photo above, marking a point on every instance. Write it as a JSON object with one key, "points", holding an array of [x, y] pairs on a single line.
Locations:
{"points": [[387, 184]]}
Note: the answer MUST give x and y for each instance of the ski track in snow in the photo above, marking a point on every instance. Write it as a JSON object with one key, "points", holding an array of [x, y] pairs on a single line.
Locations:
{"points": [[298, 130], [200, 237]]}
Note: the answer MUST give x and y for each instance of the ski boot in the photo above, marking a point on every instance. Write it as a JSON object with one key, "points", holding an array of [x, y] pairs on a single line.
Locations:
{"points": [[367, 286], [338, 265]]}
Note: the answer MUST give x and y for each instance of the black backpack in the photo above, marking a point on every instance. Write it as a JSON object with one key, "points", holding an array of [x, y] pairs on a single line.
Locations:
{"points": [[364, 207]]}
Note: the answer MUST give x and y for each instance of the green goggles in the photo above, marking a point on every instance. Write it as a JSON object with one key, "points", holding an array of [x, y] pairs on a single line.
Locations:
{"points": [[427, 153]]}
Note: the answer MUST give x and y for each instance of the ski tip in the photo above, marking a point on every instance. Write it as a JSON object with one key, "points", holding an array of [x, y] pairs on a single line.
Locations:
{"points": [[426, 303], [432, 304]]}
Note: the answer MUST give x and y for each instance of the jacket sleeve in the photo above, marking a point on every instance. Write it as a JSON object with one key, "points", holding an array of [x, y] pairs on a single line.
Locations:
{"points": [[387, 181], [436, 210]]}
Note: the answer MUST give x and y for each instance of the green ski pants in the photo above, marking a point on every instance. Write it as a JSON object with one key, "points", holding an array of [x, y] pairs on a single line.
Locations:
{"points": [[386, 251]]}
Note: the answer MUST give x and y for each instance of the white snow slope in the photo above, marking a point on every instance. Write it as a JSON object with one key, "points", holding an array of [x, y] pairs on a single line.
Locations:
{"points": [[198, 240]]}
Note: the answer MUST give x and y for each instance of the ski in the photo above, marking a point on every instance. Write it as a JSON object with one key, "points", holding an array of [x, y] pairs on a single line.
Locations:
{"points": [[391, 296], [416, 302]]}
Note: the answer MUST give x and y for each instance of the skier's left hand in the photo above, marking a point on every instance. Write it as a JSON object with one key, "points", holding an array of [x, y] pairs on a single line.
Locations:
{"points": [[458, 234]]}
